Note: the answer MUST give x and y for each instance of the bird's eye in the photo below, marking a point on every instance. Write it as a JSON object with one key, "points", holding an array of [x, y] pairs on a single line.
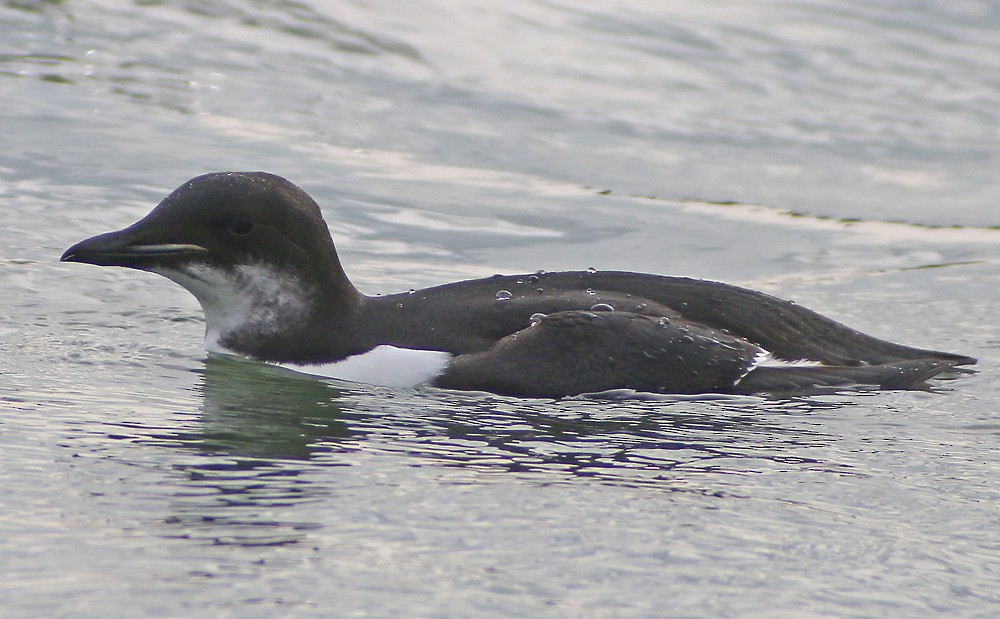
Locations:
{"points": [[240, 225]]}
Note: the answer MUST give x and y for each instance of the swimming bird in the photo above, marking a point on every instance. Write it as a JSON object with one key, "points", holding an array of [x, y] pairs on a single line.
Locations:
{"points": [[255, 251]]}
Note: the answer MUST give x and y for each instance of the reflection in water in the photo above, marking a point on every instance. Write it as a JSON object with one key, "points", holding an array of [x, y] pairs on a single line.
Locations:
{"points": [[258, 425], [663, 444], [264, 433], [252, 409]]}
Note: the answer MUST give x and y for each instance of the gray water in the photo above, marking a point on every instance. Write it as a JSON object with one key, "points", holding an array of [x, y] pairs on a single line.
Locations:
{"points": [[840, 153]]}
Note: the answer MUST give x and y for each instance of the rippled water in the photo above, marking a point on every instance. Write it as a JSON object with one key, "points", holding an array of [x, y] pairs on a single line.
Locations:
{"points": [[843, 154]]}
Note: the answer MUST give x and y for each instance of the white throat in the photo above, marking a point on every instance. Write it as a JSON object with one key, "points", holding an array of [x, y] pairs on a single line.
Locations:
{"points": [[252, 298], [262, 301]]}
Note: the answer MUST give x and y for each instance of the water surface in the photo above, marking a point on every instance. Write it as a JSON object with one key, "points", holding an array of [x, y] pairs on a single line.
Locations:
{"points": [[842, 154]]}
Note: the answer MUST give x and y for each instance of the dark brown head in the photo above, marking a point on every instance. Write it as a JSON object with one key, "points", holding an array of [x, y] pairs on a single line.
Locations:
{"points": [[251, 246]]}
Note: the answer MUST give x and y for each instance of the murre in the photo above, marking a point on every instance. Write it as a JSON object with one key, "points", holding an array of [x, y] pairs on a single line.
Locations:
{"points": [[255, 251]]}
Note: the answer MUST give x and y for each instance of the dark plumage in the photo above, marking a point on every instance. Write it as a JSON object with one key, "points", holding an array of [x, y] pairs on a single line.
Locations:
{"points": [[255, 251]]}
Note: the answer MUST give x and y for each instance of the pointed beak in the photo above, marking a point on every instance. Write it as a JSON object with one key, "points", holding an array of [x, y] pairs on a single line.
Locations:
{"points": [[124, 248]]}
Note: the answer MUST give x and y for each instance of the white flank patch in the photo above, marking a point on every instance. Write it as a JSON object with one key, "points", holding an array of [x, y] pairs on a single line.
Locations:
{"points": [[385, 366], [766, 359], [253, 297]]}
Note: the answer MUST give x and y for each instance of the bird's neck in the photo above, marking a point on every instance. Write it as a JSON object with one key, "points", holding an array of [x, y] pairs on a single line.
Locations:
{"points": [[262, 312]]}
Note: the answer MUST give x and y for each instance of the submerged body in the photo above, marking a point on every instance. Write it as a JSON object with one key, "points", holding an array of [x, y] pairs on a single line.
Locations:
{"points": [[255, 251]]}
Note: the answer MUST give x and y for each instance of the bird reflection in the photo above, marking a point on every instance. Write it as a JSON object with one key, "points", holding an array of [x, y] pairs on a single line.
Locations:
{"points": [[667, 445], [259, 426], [263, 432], [256, 410]]}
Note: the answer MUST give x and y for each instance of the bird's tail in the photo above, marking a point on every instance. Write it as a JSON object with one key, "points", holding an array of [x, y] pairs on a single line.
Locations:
{"points": [[896, 375]]}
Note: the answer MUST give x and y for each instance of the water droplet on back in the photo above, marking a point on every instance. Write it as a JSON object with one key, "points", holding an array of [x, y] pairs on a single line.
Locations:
{"points": [[601, 307], [504, 295], [536, 318], [664, 321]]}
